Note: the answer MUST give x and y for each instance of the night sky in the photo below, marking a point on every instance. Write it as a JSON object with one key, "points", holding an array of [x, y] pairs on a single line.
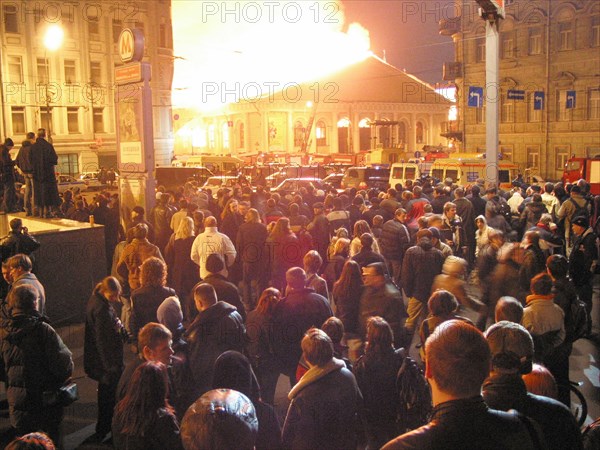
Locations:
{"points": [[408, 31]]}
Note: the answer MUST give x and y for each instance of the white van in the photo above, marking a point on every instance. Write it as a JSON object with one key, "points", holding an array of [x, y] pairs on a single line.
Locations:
{"points": [[401, 172]]}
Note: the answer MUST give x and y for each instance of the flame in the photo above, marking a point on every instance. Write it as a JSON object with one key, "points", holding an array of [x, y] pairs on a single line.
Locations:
{"points": [[230, 50]]}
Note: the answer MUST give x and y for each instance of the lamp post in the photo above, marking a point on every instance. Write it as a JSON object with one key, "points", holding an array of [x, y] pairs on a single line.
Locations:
{"points": [[53, 39]]}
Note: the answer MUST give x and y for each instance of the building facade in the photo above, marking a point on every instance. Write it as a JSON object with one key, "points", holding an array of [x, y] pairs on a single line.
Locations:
{"points": [[549, 93], [70, 91], [368, 105]]}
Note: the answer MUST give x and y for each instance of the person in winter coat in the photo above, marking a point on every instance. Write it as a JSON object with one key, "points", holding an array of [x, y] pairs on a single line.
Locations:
{"points": [[534, 261], [144, 419], [35, 361], [482, 235], [395, 240], [135, 254], [301, 309], [218, 327], [532, 213], [18, 240], [512, 351], [426, 261], [283, 251], [504, 278], [376, 373], [250, 244], [226, 291], [233, 371], [7, 168], [103, 350], [326, 403], [148, 297], [45, 189], [212, 241], [160, 218], [20, 271]]}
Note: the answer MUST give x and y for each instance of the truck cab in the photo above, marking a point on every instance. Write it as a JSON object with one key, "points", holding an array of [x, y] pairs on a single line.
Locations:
{"points": [[583, 168]]}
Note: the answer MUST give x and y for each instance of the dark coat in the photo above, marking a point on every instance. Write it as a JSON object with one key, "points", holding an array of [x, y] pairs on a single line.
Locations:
{"points": [[226, 292], [395, 240], [319, 230], [283, 253], [250, 244], [385, 302], [14, 243], [325, 413], [467, 424], [43, 159], [580, 260], [160, 217], [532, 213], [35, 360], [424, 260], [145, 302], [214, 331], [366, 257], [347, 308], [183, 272], [103, 344], [506, 392], [162, 434], [534, 262], [300, 310]]}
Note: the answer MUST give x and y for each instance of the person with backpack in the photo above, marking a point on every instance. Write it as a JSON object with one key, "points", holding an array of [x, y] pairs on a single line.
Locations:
{"points": [[583, 260], [575, 206]]}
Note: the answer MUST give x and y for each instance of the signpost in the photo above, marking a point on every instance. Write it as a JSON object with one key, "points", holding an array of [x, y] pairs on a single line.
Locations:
{"points": [[539, 100], [135, 135], [475, 97], [515, 95], [571, 99]]}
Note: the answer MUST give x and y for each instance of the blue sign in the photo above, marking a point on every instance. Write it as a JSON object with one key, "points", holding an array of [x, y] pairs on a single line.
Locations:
{"points": [[539, 100], [571, 98], [516, 95], [475, 97]]}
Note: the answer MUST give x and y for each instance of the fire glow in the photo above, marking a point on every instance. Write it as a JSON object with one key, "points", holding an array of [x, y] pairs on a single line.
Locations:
{"points": [[235, 50]]}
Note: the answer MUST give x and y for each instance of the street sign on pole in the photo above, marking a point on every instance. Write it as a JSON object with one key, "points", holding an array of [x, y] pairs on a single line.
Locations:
{"points": [[539, 100], [516, 95], [475, 97]]}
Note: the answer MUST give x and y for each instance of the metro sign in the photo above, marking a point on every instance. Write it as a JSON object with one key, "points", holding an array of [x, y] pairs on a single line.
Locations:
{"points": [[131, 45]]}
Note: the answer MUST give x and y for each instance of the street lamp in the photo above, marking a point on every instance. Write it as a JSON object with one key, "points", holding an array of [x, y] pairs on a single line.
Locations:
{"points": [[53, 39]]}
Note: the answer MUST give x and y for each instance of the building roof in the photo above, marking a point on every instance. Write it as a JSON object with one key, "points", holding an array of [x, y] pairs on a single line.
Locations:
{"points": [[370, 80]]}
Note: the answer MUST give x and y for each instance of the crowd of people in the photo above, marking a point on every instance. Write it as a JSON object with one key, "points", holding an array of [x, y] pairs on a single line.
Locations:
{"points": [[219, 295]]}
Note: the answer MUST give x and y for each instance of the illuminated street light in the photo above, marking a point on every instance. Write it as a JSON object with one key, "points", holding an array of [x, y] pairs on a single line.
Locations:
{"points": [[53, 39]]}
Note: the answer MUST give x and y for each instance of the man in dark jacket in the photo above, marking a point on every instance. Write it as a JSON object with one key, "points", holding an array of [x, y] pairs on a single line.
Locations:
{"points": [[160, 218], [24, 164], [366, 255], [326, 404], [250, 241], [395, 240], [511, 346], [35, 360], [457, 362], [218, 327], [18, 240], [7, 168], [301, 309], [421, 264], [381, 298], [225, 290], [45, 189]]}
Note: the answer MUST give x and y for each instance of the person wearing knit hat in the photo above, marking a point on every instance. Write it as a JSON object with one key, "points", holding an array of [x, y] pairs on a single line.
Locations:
{"points": [[170, 315]]}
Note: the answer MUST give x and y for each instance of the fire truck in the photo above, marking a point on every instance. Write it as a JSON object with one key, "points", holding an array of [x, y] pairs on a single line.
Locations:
{"points": [[583, 168]]}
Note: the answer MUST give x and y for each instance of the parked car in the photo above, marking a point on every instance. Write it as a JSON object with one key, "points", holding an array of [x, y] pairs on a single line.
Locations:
{"points": [[364, 177], [217, 182], [66, 182], [91, 179], [335, 180], [174, 177], [292, 185]]}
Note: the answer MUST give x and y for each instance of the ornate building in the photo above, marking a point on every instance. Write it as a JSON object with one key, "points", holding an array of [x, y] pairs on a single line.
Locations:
{"points": [[70, 91], [368, 105], [549, 89]]}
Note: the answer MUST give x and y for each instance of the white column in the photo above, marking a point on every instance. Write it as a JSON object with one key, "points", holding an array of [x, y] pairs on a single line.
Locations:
{"points": [[492, 99]]}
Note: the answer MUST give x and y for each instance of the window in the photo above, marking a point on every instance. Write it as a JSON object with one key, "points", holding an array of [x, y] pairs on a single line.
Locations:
{"points": [[565, 36], [562, 155], [93, 24], [298, 134], [15, 69], [594, 104], [98, 120], [535, 41], [595, 34], [11, 23], [508, 45], [70, 71], [321, 134], [46, 118], [43, 71], [533, 115], [68, 164], [402, 133], [480, 114], [18, 119], [73, 120], [225, 134], [506, 153], [117, 27], [533, 157], [562, 113], [67, 22], [420, 133], [480, 49], [95, 72], [507, 112]]}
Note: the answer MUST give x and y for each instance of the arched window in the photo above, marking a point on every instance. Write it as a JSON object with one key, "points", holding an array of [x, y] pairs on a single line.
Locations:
{"points": [[402, 133], [344, 138], [364, 134], [420, 133], [321, 134], [225, 135]]}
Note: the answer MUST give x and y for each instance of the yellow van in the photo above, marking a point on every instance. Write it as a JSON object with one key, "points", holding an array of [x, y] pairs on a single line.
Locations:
{"points": [[219, 165], [401, 172], [466, 171]]}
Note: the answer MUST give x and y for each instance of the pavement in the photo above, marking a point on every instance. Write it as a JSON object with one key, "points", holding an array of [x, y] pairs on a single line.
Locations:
{"points": [[79, 421]]}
